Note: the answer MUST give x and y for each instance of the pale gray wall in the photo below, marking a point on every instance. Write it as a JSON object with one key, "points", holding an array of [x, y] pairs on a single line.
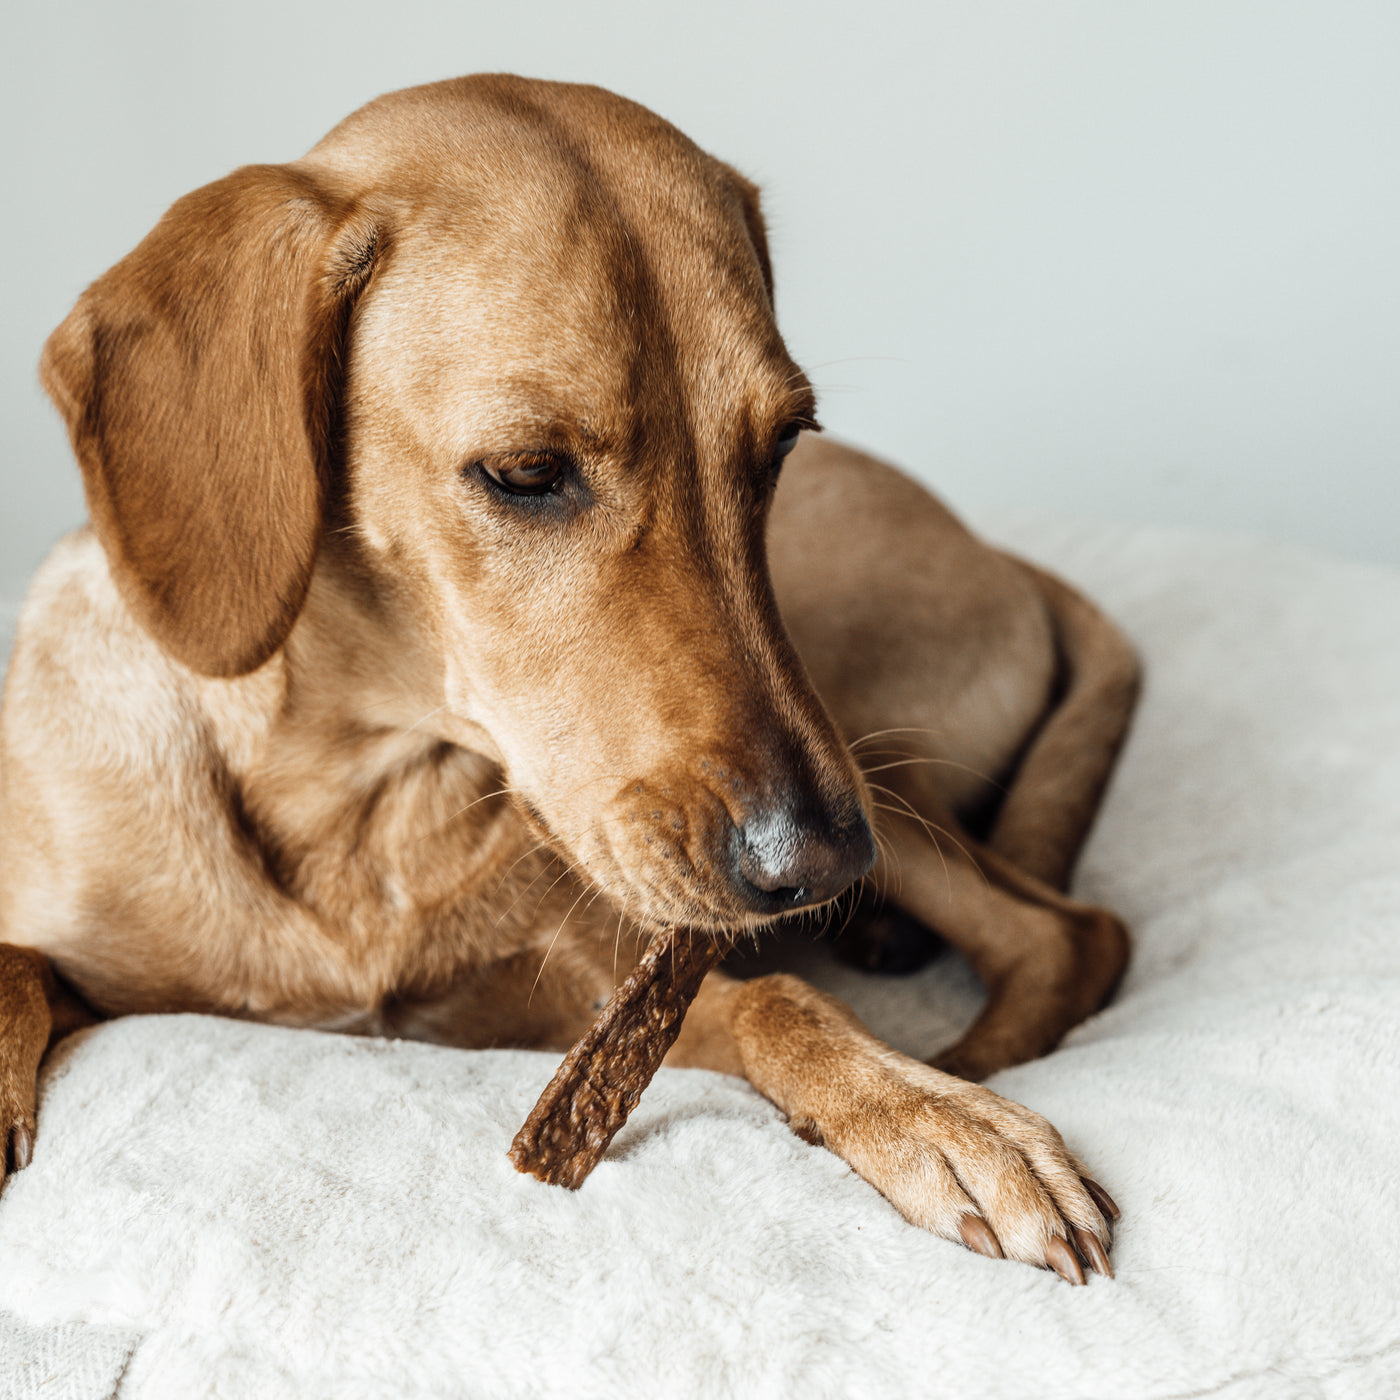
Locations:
{"points": [[1122, 260]]}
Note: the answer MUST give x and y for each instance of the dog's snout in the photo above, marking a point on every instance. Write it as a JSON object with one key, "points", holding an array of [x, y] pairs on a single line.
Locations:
{"points": [[783, 859]]}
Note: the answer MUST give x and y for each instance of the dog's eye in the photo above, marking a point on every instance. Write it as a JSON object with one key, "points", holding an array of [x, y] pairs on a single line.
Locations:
{"points": [[787, 440], [535, 475]]}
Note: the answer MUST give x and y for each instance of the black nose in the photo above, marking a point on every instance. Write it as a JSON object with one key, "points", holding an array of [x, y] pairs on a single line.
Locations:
{"points": [[786, 859]]}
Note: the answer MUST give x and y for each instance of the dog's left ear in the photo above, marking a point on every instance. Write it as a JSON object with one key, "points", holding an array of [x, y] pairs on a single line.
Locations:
{"points": [[201, 381], [747, 194]]}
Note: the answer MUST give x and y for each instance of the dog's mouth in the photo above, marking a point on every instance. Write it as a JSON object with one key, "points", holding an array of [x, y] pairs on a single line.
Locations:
{"points": [[707, 846], [674, 854]]}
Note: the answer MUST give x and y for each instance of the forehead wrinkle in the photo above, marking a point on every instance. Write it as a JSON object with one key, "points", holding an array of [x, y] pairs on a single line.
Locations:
{"points": [[460, 328], [708, 275], [645, 342], [607, 335]]}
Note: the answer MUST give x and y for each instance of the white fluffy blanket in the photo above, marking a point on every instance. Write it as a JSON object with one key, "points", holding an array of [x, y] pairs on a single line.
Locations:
{"points": [[218, 1209]]}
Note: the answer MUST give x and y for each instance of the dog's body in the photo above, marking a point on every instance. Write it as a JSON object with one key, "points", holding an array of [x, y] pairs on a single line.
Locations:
{"points": [[423, 652]]}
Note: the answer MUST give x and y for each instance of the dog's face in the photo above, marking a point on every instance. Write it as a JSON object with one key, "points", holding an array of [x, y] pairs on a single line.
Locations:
{"points": [[550, 457]]}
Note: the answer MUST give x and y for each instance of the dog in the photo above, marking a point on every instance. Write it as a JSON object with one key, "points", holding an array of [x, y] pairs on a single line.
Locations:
{"points": [[441, 632]]}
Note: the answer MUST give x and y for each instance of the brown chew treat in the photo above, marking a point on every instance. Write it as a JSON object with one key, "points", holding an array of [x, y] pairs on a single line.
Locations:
{"points": [[603, 1076]]}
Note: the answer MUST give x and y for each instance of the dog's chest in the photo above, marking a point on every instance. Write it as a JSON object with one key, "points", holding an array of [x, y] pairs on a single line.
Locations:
{"points": [[481, 948], [412, 883]]}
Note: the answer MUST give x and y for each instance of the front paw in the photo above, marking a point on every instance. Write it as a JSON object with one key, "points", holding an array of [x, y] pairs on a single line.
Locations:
{"points": [[25, 1022], [16, 1117], [19, 1146], [971, 1166]]}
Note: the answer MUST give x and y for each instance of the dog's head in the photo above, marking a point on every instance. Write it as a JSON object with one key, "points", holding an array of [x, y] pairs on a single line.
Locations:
{"points": [[500, 357]]}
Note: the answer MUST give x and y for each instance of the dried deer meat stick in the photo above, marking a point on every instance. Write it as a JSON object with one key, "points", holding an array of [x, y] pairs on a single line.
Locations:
{"points": [[603, 1076]]}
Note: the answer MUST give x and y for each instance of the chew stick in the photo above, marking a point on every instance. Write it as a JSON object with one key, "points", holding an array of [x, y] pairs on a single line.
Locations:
{"points": [[603, 1076]]}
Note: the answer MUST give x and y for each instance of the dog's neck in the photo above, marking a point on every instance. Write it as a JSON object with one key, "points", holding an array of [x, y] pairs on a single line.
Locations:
{"points": [[361, 808]]}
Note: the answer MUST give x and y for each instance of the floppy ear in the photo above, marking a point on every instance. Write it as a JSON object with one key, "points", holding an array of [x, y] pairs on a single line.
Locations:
{"points": [[200, 381], [747, 193]]}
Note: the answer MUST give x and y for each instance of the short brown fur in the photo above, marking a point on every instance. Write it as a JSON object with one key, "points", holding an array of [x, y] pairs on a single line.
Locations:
{"points": [[319, 724]]}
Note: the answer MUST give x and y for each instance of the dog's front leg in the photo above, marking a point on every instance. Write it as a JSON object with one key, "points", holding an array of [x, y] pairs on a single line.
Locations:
{"points": [[35, 1010], [950, 1156]]}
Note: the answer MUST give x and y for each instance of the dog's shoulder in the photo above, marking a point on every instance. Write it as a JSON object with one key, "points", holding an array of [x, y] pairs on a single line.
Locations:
{"points": [[99, 727], [114, 759], [76, 644], [85, 679]]}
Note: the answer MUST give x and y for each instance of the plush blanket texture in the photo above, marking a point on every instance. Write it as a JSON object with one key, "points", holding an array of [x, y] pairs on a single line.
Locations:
{"points": [[219, 1209]]}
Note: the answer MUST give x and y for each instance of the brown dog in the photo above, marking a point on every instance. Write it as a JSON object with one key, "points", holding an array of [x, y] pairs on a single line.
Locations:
{"points": [[426, 641]]}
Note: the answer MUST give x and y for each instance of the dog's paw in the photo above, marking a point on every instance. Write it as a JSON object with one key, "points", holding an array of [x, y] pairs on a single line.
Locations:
{"points": [[24, 1030], [17, 1134], [17, 1093], [969, 1165]]}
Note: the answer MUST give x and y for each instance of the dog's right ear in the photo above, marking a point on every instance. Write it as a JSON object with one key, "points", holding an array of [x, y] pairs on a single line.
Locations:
{"points": [[200, 380]]}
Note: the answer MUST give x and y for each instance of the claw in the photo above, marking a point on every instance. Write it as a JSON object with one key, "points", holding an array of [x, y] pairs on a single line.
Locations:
{"points": [[1092, 1252], [977, 1236], [21, 1146], [1062, 1259], [1102, 1199]]}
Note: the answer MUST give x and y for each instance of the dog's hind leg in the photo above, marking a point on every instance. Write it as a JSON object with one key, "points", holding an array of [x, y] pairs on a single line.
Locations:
{"points": [[1047, 961], [35, 1010], [1061, 776]]}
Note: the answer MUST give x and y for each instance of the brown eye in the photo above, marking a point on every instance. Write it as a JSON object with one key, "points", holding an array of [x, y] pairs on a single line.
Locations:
{"points": [[524, 476], [787, 440]]}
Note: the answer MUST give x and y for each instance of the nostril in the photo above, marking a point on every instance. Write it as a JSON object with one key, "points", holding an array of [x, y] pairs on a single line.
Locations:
{"points": [[791, 896], [789, 863]]}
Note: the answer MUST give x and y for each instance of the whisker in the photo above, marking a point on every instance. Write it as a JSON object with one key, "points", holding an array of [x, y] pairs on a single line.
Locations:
{"points": [[485, 797], [617, 940], [890, 854], [569, 868], [529, 851], [937, 762], [938, 851], [928, 831], [930, 827], [543, 961], [860, 360], [898, 729], [423, 719], [853, 905]]}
